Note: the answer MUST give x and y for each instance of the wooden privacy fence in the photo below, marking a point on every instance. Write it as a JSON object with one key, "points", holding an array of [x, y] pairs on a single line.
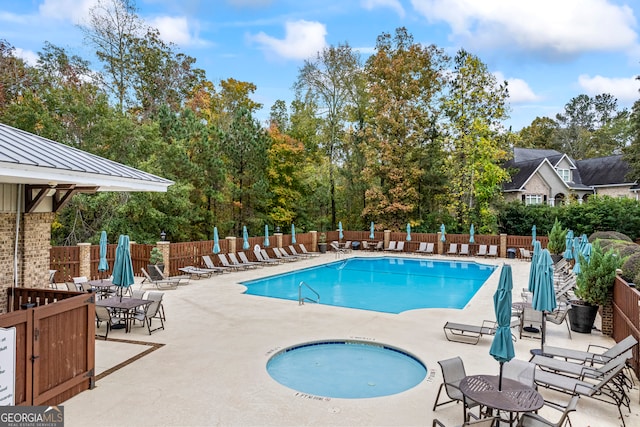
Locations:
{"points": [[55, 344], [626, 316]]}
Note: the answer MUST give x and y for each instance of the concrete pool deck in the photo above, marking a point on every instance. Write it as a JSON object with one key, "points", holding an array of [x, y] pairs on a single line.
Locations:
{"points": [[208, 367]]}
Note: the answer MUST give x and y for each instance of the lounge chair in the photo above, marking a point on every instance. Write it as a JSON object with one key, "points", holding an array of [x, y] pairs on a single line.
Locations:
{"points": [[590, 357], [336, 248], [453, 373], [453, 249], [392, 246], [225, 263], [468, 334], [162, 283], [379, 246], [264, 256], [464, 249], [283, 255], [422, 248], [245, 260], [482, 250], [305, 251], [293, 251], [606, 390], [400, 246], [347, 246], [211, 266], [493, 250], [196, 272], [182, 279], [365, 246], [579, 370], [525, 254], [233, 259]]}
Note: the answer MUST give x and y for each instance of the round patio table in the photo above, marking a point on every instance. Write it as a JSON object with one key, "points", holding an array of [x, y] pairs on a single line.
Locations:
{"points": [[514, 397]]}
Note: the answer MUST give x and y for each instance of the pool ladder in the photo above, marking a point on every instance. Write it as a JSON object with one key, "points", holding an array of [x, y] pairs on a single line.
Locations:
{"points": [[302, 299]]}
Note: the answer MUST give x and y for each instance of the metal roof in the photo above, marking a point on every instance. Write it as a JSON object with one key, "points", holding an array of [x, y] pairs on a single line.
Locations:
{"points": [[26, 158]]}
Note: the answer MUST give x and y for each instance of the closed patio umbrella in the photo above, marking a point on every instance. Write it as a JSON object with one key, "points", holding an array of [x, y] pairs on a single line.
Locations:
{"points": [[266, 236], [340, 234], [586, 252], [122, 266], [408, 232], [576, 246], [216, 242], [442, 234], [472, 233], [544, 297], [371, 234], [103, 265], [533, 234], [502, 345], [534, 264], [293, 234], [245, 237], [568, 253]]}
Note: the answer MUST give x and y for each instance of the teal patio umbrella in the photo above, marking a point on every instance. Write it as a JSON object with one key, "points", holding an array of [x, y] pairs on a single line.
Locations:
{"points": [[103, 264], [586, 252], [502, 345], [340, 234], [216, 241], [533, 234], [293, 234], [442, 234], [122, 266], [576, 246], [266, 236], [372, 234], [544, 297], [472, 232], [245, 237], [537, 247], [568, 253], [408, 232]]}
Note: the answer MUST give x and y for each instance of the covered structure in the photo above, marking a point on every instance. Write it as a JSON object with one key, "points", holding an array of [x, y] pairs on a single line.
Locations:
{"points": [[38, 177]]}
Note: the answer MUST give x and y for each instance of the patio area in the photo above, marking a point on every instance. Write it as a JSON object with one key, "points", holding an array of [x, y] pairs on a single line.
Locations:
{"points": [[208, 367]]}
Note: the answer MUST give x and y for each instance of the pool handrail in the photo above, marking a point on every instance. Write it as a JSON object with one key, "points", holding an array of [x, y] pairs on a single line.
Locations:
{"points": [[301, 299]]}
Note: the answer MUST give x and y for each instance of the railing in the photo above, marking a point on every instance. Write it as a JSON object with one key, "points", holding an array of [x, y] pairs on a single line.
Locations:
{"points": [[626, 316], [302, 299]]}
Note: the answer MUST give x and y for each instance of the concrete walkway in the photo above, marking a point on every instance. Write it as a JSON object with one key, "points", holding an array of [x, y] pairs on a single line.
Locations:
{"points": [[208, 367]]}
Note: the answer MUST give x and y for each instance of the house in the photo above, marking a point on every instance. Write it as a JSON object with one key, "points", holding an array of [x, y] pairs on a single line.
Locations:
{"points": [[540, 176], [37, 178]]}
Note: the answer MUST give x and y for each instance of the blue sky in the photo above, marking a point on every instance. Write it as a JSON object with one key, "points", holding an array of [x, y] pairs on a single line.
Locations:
{"points": [[548, 50]]}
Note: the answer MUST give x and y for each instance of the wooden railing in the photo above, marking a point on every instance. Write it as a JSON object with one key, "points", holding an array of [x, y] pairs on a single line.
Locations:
{"points": [[626, 316]]}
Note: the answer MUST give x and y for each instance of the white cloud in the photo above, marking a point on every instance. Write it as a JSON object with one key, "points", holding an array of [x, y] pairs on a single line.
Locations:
{"points": [[303, 39], [519, 90], [76, 11], [625, 89], [554, 27], [391, 4], [173, 29], [28, 56]]}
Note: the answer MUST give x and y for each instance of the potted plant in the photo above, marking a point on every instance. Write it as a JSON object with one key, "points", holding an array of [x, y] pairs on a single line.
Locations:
{"points": [[594, 287], [557, 241], [322, 243], [155, 260]]}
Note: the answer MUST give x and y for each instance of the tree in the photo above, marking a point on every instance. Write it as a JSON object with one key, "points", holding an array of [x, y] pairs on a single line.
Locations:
{"points": [[404, 80], [541, 133], [327, 81]]}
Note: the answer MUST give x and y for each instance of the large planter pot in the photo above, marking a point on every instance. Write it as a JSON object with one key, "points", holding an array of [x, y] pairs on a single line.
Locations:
{"points": [[322, 248], [582, 316]]}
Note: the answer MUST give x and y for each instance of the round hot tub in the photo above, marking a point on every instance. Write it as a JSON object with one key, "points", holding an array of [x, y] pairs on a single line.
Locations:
{"points": [[346, 369]]}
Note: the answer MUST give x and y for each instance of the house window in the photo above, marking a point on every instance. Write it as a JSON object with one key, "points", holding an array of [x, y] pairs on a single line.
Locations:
{"points": [[533, 199], [565, 174]]}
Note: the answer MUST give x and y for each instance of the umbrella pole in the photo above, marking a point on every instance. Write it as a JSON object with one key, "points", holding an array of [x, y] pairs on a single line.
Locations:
{"points": [[500, 378], [543, 327]]}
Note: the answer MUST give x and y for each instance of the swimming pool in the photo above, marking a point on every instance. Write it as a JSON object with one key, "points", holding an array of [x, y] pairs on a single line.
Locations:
{"points": [[385, 284]]}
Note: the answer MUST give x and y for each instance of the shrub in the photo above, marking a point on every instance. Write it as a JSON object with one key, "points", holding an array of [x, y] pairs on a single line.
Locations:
{"points": [[625, 249], [613, 235], [595, 281], [631, 268], [557, 238], [155, 256]]}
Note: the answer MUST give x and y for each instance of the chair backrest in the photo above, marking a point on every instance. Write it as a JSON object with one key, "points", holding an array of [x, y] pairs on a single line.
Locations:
{"points": [[292, 249], [277, 253], [347, 244], [453, 248], [529, 315], [613, 363], [146, 275], [303, 248], [482, 250], [400, 246], [365, 244], [380, 244], [621, 347], [243, 258], [493, 250], [430, 247], [334, 246], [464, 248], [422, 247], [558, 316], [258, 254], [452, 373], [520, 370], [137, 294], [78, 281], [207, 261], [223, 260], [392, 245], [233, 258], [264, 254], [103, 314]]}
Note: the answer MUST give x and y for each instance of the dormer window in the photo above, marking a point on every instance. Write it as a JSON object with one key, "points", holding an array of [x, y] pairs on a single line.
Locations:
{"points": [[565, 174]]}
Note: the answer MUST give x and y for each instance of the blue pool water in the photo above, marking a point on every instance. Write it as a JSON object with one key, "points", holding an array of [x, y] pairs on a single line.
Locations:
{"points": [[385, 284], [346, 369]]}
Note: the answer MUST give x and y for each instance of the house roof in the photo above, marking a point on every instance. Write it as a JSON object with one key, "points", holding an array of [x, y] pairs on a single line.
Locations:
{"points": [[609, 170], [26, 158]]}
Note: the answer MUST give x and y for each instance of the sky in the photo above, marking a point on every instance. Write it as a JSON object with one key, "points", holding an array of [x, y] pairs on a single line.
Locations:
{"points": [[549, 51]]}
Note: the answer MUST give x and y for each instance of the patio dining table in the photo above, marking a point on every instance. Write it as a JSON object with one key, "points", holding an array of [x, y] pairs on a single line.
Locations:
{"points": [[514, 397], [126, 306], [102, 287]]}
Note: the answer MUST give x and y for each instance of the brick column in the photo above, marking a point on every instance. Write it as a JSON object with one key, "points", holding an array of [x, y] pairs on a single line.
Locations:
{"points": [[503, 246], [606, 313], [314, 240], [85, 260], [387, 238], [231, 244], [36, 245], [278, 237], [165, 248]]}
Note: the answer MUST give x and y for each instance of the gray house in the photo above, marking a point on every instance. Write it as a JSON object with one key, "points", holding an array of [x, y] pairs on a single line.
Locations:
{"points": [[550, 177]]}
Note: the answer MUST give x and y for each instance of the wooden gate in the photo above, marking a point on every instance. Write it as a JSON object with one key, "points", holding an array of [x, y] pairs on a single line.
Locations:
{"points": [[55, 344]]}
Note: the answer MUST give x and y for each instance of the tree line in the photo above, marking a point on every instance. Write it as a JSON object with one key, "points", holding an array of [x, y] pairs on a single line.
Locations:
{"points": [[409, 135]]}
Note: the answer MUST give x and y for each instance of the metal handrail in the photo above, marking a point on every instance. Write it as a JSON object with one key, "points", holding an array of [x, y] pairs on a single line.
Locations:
{"points": [[301, 299]]}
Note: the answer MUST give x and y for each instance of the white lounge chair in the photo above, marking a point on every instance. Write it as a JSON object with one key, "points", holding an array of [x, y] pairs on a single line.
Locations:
{"points": [[245, 260]]}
